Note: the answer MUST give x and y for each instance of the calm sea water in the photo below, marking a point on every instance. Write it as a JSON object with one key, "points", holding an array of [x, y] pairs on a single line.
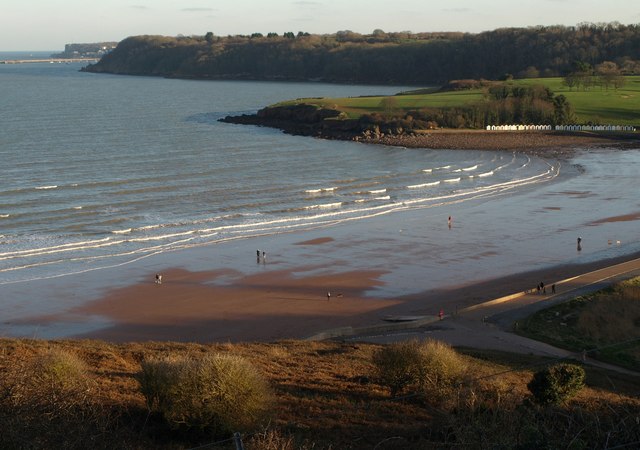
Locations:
{"points": [[99, 170]]}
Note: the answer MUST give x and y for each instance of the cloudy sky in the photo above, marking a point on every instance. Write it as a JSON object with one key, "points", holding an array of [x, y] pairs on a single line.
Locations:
{"points": [[50, 24]]}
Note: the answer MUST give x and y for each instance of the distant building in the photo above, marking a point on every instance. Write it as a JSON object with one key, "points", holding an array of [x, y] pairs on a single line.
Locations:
{"points": [[93, 50]]}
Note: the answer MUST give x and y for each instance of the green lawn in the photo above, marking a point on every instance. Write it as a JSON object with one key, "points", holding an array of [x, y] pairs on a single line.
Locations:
{"points": [[597, 105]]}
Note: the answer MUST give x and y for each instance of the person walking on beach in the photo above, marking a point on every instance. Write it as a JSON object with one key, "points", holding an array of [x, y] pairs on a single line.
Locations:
{"points": [[543, 288], [158, 278], [579, 243], [449, 222], [264, 257], [553, 288]]}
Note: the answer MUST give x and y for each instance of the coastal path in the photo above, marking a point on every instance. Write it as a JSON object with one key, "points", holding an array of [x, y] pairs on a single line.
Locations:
{"points": [[488, 325]]}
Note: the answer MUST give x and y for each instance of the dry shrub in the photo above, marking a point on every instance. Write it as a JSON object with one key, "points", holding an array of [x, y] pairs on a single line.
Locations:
{"points": [[43, 399], [431, 367], [217, 393]]}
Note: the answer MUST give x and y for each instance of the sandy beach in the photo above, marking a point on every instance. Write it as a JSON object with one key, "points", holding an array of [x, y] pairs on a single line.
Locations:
{"points": [[374, 269], [549, 143], [231, 307], [278, 304]]}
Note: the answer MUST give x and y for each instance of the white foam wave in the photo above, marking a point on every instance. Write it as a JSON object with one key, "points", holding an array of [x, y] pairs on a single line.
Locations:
{"points": [[323, 206], [386, 197], [77, 207], [486, 174], [4, 216], [53, 186], [378, 191], [468, 169], [451, 180], [125, 231], [443, 167], [427, 170], [320, 190]]}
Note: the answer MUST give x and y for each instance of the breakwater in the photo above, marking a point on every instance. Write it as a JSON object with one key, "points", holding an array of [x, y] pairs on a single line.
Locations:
{"points": [[48, 60]]}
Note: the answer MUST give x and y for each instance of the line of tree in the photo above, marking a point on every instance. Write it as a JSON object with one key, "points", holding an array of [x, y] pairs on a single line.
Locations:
{"points": [[503, 104], [386, 58], [605, 75]]}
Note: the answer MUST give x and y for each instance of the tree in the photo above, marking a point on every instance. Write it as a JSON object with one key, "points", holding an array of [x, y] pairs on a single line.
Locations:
{"points": [[570, 80], [608, 74], [209, 37], [562, 111]]}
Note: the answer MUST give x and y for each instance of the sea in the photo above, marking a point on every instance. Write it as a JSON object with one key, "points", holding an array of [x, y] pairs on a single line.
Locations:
{"points": [[101, 171]]}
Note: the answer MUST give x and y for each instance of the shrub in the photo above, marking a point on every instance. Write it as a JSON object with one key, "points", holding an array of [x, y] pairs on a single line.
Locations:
{"points": [[439, 367], [45, 397], [218, 393], [557, 383], [430, 366], [394, 365]]}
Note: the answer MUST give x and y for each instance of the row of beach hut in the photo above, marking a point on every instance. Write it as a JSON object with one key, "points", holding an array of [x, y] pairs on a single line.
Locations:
{"points": [[560, 128]]}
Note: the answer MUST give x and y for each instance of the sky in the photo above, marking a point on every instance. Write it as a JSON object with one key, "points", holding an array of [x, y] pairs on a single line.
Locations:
{"points": [[42, 25]]}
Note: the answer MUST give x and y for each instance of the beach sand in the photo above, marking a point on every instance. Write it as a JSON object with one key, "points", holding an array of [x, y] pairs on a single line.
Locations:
{"points": [[407, 264], [548, 143], [229, 306]]}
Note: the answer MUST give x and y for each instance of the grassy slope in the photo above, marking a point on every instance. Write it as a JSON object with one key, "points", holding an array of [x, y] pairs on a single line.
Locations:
{"points": [[608, 320], [620, 107], [325, 393]]}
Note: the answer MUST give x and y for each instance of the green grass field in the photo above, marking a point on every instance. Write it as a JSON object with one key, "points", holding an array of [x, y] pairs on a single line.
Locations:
{"points": [[596, 105]]}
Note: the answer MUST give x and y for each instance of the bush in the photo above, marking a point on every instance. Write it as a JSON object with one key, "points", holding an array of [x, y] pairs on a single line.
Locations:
{"points": [[556, 384], [219, 393], [394, 365], [439, 368], [432, 367], [44, 398]]}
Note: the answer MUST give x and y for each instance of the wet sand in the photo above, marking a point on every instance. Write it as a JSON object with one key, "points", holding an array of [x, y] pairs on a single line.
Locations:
{"points": [[229, 306], [368, 268]]}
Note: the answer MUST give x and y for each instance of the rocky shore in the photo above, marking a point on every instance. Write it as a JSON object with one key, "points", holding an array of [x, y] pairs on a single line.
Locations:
{"points": [[307, 120]]}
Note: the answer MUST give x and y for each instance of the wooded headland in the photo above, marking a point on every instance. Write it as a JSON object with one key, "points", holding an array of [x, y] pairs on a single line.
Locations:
{"points": [[421, 59]]}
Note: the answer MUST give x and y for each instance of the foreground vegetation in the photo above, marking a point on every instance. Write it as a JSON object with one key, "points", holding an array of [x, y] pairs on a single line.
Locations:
{"points": [[606, 325], [325, 395]]}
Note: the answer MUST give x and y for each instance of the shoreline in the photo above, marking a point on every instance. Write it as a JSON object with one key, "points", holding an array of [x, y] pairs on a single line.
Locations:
{"points": [[549, 143], [219, 293], [231, 306], [300, 120]]}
